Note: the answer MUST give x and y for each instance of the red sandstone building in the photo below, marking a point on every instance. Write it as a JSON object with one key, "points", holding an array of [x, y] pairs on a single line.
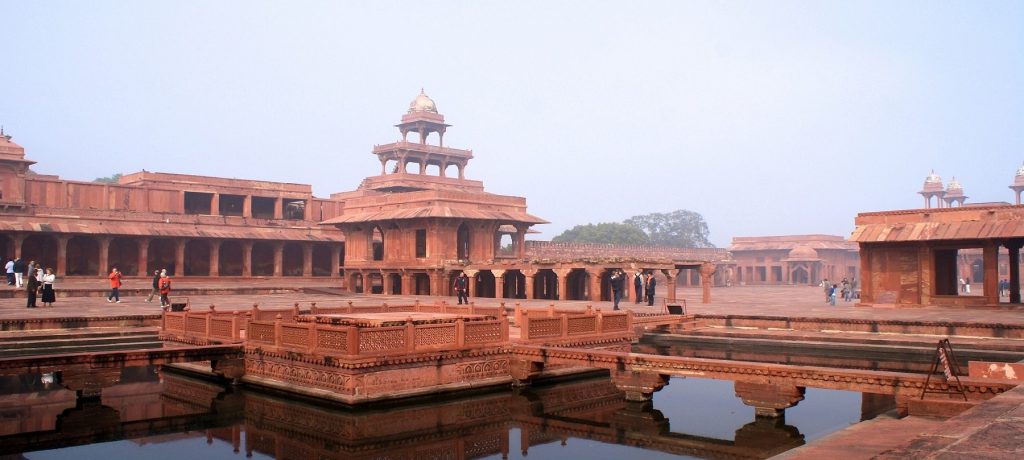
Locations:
{"points": [[793, 259], [408, 230]]}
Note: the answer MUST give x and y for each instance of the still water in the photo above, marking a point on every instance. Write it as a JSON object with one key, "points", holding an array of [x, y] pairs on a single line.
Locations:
{"points": [[153, 415]]}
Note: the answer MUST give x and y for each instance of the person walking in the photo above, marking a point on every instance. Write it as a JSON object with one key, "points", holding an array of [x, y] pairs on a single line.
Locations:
{"points": [[638, 286], [825, 285], [49, 296], [832, 295], [165, 289], [19, 272], [651, 284], [618, 282], [156, 286], [9, 267], [115, 286], [32, 288], [461, 287]]}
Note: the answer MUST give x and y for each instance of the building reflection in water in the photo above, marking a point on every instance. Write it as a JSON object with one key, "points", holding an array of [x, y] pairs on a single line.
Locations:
{"points": [[150, 408]]}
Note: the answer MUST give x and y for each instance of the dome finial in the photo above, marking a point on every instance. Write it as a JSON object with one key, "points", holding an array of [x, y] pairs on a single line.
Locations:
{"points": [[422, 103]]}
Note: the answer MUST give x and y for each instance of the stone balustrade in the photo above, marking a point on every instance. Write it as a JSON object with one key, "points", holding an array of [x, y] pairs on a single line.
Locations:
{"points": [[567, 327], [318, 337]]}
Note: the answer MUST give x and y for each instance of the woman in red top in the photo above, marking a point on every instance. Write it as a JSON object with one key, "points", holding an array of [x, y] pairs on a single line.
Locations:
{"points": [[115, 284], [165, 289]]}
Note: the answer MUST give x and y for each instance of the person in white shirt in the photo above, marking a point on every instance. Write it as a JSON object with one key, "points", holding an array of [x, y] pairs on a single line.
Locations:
{"points": [[49, 296]]}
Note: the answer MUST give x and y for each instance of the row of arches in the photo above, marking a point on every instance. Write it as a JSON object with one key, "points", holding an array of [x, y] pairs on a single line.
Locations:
{"points": [[85, 255], [541, 283]]}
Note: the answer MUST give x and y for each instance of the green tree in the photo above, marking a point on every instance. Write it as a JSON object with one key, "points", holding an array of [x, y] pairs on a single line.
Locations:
{"points": [[607, 233], [108, 180], [681, 228]]}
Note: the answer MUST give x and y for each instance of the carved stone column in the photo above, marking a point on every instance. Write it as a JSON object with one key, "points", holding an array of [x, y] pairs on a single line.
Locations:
{"points": [[563, 278], [279, 259], [215, 257], [670, 285], [407, 284], [706, 271], [386, 283], [528, 275], [436, 282], [638, 386], [499, 283], [990, 257], [471, 289], [307, 259], [62, 255], [595, 284], [335, 260], [247, 258], [18, 239], [769, 400], [179, 257], [104, 255], [143, 249]]}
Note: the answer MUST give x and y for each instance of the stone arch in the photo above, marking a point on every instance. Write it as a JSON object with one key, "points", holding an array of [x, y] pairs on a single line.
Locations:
{"points": [[376, 243], [420, 284], [576, 284], [123, 253], [396, 283], [505, 243], [799, 275], [229, 259], [40, 248], [321, 260], [514, 285], [485, 284], [262, 259], [462, 242], [356, 282], [160, 256], [83, 256], [197, 258], [375, 283], [6, 248], [606, 285], [545, 284], [292, 259]]}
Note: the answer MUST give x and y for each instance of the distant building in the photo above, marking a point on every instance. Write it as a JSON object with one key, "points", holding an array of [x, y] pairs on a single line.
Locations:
{"points": [[793, 259]]}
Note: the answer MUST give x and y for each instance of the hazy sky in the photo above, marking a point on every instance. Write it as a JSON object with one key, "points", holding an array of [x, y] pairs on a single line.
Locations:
{"points": [[767, 117]]}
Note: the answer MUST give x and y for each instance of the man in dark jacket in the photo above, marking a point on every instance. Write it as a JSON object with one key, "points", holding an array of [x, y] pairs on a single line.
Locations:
{"points": [[461, 287], [651, 283], [32, 286], [156, 286], [618, 282]]}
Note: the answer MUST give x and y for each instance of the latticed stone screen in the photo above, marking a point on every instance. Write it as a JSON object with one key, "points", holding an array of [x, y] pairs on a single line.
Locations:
{"points": [[220, 327], [545, 327], [330, 339], [260, 333], [196, 324], [382, 340], [435, 335], [614, 323], [582, 325], [295, 336], [477, 333], [174, 323]]}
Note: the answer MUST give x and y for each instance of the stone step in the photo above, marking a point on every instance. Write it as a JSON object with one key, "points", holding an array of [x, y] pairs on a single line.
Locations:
{"points": [[75, 348], [864, 440], [43, 342], [72, 334]]}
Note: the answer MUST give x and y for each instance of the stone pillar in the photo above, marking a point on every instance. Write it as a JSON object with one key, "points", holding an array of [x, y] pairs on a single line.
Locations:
{"points": [[62, 255], [143, 249], [407, 287], [215, 204], [471, 289], [104, 255], [179, 257], [307, 259], [278, 205], [247, 259], [706, 270], [595, 284], [1014, 249], [386, 282], [247, 206], [990, 257], [670, 285], [529, 274], [499, 283], [563, 278], [215, 257], [335, 260], [278, 258], [769, 400], [437, 282], [18, 239]]}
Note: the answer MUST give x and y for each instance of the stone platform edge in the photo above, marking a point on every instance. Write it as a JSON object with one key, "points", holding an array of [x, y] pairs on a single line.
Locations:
{"points": [[895, 326]]}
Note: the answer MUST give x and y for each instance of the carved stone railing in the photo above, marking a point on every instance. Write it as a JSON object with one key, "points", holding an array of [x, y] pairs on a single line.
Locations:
{"points": [[580, 326], [204, 327], [320, 336], [437, 307]]}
